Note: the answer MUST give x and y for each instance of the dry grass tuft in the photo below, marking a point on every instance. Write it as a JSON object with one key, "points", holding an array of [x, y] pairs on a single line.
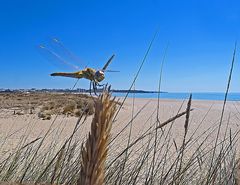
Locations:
{"points": [[238, 172], [69, 109], [94, 153]]}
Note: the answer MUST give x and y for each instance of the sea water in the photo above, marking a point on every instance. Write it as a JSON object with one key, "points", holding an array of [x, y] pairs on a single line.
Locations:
{"points": [[181, 96]]}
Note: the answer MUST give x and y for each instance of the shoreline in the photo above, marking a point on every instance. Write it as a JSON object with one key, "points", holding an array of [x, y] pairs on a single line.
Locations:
{"points": [[177, 100], [181, 96]]}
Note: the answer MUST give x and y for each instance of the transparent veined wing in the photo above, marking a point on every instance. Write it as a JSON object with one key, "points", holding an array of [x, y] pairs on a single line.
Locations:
{"points": [[111, 70], [58, 45], [56, 53]]}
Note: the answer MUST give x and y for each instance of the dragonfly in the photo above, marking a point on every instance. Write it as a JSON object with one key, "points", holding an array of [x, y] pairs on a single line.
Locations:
{"points": [[95, 76]]}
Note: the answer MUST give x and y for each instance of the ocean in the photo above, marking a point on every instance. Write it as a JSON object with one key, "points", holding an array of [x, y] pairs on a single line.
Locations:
{"points": [[181, 96]]}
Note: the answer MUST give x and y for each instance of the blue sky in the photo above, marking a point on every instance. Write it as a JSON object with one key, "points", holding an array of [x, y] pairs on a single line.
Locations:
{"points": [[201, 36]]}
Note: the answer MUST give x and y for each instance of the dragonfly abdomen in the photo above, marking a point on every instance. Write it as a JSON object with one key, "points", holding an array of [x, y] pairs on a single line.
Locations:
{"points": [[71, 75]]}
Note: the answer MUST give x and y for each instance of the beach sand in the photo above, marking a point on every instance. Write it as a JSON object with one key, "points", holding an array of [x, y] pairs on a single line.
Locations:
{"points": [[204, 117]]}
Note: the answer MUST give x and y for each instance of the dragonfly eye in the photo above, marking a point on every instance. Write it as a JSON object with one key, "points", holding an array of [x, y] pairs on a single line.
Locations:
{"points": [[99, 75]]}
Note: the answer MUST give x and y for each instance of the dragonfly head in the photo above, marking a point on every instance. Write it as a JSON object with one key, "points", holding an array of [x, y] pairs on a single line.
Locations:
{"points": [[99, 75]]}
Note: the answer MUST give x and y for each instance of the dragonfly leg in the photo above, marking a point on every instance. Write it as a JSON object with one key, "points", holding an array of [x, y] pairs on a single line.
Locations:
{"points": [[90, 88], [95, 87]]}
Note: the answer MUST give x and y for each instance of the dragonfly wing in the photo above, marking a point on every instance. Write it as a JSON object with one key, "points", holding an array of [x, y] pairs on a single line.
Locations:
{"points": [[59, 55], [53, 56], [111, 71], [59, 47], [108, 62]]}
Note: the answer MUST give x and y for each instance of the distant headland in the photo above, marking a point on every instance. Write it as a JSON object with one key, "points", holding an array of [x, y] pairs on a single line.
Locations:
{"points": [[78, 90]]}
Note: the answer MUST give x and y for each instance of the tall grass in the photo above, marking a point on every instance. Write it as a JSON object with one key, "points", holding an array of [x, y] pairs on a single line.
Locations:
{"points": [[153, 157], [88, 161]]}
